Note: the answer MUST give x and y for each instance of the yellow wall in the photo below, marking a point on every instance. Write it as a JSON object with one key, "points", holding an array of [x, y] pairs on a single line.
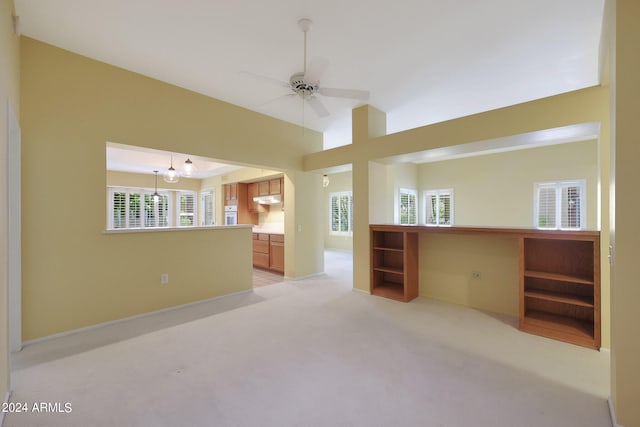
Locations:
{"points": [[498, 189], [337, 182], [447, 262], [9, 96], [71, 106], [625, 289]]}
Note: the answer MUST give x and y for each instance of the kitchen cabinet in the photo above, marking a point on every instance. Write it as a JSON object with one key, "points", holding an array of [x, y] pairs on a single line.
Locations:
{"points": [[276, 252], [261, 250], [268, 252], [275, 186], [252, 191], [245, 215], [270, 187], [230, 193], [263, 188]]}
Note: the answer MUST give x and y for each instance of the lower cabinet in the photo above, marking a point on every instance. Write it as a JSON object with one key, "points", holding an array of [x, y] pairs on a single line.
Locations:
{"points": [[268, 252], [261, 250], [276, 253]]}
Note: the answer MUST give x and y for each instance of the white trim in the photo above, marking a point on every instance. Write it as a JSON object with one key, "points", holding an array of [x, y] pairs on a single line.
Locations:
{"points": [[7, 397], [137, 316], [361, 291], [14, 233], [338, 194], [164, 229], [557, 186], [308, 276], [612, 413]]}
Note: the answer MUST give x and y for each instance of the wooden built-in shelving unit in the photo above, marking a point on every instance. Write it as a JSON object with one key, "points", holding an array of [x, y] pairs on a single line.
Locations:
{"points": [[394, 261], [560, 287], [559, 275]]}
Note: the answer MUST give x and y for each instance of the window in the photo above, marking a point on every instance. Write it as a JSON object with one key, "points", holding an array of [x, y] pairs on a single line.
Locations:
{"points": [[186, 208], [408, 210], [560, 205], [207, 208], [341, 213], [438, 207], [135, 208]]}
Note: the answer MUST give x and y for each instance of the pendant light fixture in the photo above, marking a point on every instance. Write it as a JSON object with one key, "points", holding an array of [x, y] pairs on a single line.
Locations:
{"points": [[171, 175], [156, 196], [189, 167]]}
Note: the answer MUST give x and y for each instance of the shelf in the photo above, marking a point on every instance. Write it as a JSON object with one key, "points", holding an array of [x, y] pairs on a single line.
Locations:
{"points": [[381, 248], [562, 328], [389, 290], [559, 297], [558, 277], [385, 269]]}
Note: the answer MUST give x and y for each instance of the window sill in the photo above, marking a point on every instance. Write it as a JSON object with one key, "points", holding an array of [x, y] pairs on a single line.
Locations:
{"points": [[169, 229]]}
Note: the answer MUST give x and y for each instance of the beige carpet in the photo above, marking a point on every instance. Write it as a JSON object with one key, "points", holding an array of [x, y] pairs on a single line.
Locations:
{"points": [[313, 353]]}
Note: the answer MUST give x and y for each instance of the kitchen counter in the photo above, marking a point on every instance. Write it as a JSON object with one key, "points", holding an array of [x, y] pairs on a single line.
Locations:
{"points": [[268, 230]]}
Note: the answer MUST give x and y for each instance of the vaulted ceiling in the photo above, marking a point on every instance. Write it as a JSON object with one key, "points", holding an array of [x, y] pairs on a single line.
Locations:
{"points": [[423, 61]]}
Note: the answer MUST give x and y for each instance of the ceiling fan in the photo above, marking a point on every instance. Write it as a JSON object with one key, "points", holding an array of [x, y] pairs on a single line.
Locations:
{"points": [[306, 84]]}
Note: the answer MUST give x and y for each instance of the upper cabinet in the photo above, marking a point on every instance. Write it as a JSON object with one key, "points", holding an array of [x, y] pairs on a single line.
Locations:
{"points": [[275, 186], [263, 188], [231, 194], [270, 187], [252, 191]]}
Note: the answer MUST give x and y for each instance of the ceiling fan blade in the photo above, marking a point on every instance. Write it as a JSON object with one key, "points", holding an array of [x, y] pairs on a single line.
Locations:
{"points": [[362, 95], [265, 78], [316, 69], [317, 106], [264, 104]]}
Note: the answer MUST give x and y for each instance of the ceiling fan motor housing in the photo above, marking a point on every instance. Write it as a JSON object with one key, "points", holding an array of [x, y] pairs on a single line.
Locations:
{"points": [[302, 87]]}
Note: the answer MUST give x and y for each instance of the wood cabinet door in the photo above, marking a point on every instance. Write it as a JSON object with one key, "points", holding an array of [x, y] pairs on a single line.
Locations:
{"points": [[252, 192], [275, 186], [263, 188], [231, 191], [276, 256]]}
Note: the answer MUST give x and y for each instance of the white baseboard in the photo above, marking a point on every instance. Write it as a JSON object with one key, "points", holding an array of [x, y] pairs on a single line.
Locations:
{"points": [[125, 319], [362, 291], [310, 276], [612, 413], [6, 400]]}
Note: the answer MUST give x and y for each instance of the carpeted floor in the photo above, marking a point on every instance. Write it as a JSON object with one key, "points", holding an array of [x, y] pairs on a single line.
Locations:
{"points": [[312, 353]]}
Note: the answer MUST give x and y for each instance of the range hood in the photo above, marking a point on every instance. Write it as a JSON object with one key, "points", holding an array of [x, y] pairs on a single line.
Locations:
{"points": [[268, 200]]}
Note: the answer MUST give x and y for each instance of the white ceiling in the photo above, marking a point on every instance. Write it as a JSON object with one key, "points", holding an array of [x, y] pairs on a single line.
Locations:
{"points": [[125, 158], [423, 61]]}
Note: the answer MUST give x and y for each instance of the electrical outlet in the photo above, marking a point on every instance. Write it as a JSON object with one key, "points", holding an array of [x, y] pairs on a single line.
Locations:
{"points": [[164, 278], [476, 275]]}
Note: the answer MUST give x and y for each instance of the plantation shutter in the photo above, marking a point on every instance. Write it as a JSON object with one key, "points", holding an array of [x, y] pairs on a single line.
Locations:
{"points": [[187, 209], [570, 206], [341, 212], [408, 208], [149, 211], [163, 211], [119, 213], [135, 210], [206, 202], [444, 208], [547, 207], [432, 208]]}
